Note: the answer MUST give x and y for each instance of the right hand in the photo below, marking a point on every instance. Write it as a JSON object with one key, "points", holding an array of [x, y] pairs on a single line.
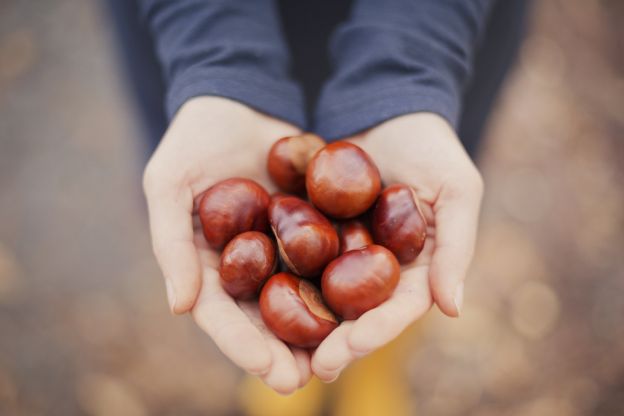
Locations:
{"points": [[212, 139]]}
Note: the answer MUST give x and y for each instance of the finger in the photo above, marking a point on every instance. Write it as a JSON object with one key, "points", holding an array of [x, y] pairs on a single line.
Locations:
{"points": [[230, 328], [410, 300], [283, 376], [302, 358], [456, 219], [172, 239], [355, 339], [333, 355]]}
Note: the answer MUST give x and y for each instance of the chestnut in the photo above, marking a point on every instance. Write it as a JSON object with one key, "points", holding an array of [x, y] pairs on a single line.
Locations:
{"points": [[354, 234], [292, 308], [246, 262], [360, 280], [306, 240], [231, 207], [288, 160], [398, 223], [342, 180]]}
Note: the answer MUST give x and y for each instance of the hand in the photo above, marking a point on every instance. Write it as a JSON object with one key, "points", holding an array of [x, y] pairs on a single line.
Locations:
{"points": [[420, 150], [211, 139]]}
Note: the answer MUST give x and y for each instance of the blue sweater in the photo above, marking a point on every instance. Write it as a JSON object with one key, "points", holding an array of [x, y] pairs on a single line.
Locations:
{"points": [[390, 57]]}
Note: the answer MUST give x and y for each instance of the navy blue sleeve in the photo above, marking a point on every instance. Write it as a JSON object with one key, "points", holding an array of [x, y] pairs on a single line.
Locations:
{"points": [[233, 49], [395, 57]]}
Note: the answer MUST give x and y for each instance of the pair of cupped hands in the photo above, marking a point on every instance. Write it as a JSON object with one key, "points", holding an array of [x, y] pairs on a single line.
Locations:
{"points": [[212, 139]]}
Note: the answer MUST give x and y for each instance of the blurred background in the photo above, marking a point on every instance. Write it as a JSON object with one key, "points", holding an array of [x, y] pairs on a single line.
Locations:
{"points": [[84, 326]]}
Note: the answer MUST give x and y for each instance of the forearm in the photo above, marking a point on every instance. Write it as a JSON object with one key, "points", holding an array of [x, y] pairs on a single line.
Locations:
{"points": [[397, 57], [224, 48]]}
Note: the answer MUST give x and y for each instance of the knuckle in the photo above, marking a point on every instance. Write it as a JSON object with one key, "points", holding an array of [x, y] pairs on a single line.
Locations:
{"points": [[261, 365], [158, 248], [160, 179], [478, 181], [322, 366], [472, 182], [149, 178]]}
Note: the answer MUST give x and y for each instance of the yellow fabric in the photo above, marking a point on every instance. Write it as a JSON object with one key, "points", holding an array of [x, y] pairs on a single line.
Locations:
{"points": [[373, 386], [259, 400], [377, 385]]}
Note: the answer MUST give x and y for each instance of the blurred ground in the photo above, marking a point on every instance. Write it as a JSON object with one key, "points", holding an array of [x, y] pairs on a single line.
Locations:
{"points": [[84, 327]]}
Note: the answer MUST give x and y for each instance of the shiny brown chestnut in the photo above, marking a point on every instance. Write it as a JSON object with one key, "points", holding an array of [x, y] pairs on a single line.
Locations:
{"points": [[288, 160], [246, 262], [354, 234], [342, 180], [360, 280], [292, 308], [398, 222], [231, 207], [305, 238]]}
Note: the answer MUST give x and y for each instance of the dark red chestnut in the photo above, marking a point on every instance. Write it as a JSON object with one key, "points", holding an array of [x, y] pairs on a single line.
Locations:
{"points": [[398, 223], [231, 207], [342, 180], [305, 238], [294, 311], [246, 262], [360, 280], [288, 160], [354, 234]]}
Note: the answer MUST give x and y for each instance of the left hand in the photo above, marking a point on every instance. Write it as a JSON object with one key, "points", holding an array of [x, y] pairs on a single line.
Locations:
{"points": [[420, 150]]}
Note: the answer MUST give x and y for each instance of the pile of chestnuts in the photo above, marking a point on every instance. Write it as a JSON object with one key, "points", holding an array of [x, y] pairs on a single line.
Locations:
{"points": [[328, 248]]}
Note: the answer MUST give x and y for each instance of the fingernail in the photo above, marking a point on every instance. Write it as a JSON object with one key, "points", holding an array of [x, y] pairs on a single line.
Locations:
{"points": [[331, 380], [459, 297], [338, 372], [259, 373], [334, 378], [360, 354], [171, 296]]}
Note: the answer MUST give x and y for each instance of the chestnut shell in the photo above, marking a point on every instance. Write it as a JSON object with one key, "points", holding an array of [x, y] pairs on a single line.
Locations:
{"points": [[292, 308], [306, 240], [246, 262], [354, 234], [288, 159], [231, 207], [342, 180], [360, 280], [398, 223]]}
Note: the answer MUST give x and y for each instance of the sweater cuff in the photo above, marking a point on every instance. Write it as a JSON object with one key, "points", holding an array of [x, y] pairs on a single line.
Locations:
{"points": [[282, 100], [362, 111]]}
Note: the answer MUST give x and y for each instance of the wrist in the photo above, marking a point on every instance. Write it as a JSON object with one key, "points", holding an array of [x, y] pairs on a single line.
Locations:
{"points": [[405, 129]]}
